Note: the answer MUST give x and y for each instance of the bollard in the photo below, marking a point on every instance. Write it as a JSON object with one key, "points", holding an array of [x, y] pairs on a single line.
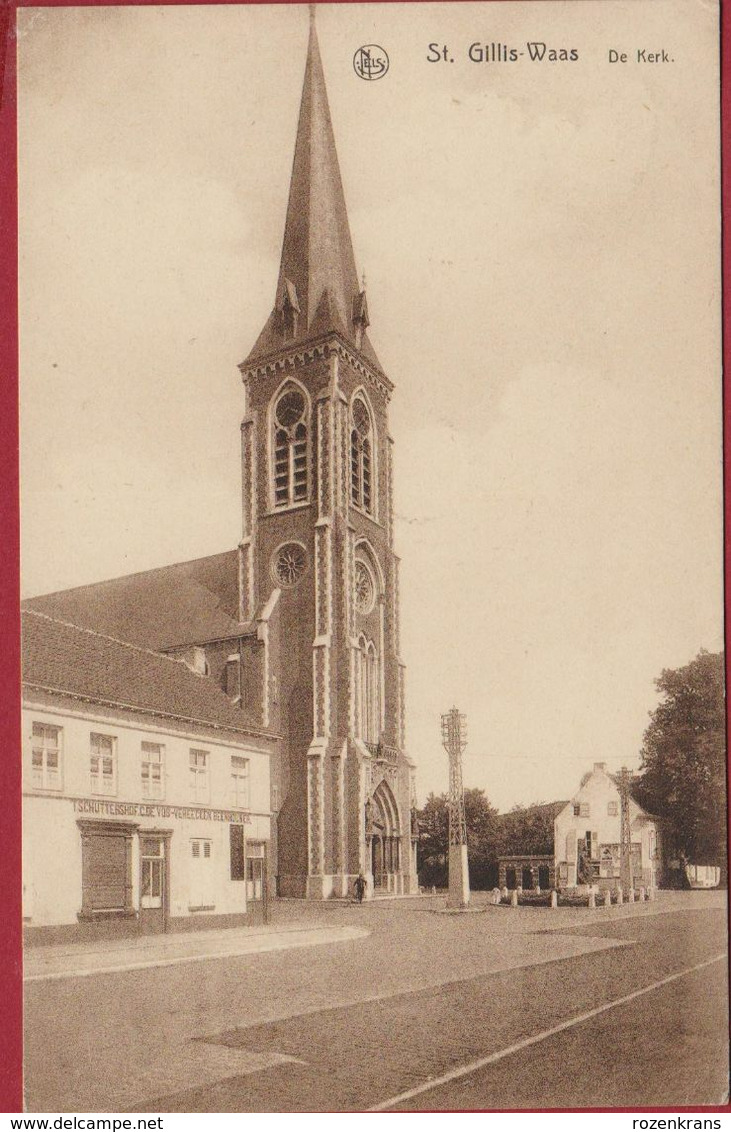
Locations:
{"points": [[631, 896], [495, 896], [505, 893], [554, 899], [538, 890], [607, 898], [620, 894], [514, 898], [592, 900]]}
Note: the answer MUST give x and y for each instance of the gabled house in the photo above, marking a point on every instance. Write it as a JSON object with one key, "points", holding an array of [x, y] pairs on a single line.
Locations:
{"points": [[587, 836], [586, 844]]}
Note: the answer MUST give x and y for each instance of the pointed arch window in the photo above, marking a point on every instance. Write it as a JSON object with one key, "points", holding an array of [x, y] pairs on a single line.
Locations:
{"points": [[290, 449], [361, 457], [368, 685]]}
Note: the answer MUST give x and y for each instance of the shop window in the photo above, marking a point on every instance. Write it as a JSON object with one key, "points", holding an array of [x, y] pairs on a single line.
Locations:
{"points": [[153, 758], [103, 764], [238, 862], [46, 757], [199, 781], [239, 782]]}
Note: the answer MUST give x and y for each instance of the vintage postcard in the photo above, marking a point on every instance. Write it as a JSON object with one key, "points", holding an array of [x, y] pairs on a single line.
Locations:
{"points": [[373, 729]]}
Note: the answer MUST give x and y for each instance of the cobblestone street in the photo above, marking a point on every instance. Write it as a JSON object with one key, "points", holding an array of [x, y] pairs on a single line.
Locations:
{"points": [[333, 1026]]}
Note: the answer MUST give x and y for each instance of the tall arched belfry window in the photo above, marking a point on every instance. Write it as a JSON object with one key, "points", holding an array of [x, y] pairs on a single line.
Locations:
{"points": [[290, 448], [369, 691], [361, 457]]}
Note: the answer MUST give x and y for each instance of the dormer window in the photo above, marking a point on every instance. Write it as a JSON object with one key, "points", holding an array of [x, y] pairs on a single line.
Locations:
{"points": [[360, 316], [289, 310], [290, 449], [361, 457]]}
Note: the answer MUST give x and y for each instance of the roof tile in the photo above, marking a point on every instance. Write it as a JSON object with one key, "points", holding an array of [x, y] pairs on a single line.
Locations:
{"points": [[82, 663], [186, 603]]}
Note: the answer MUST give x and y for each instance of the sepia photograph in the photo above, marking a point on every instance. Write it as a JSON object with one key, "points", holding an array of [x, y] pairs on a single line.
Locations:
{"points": [[372, 557]]}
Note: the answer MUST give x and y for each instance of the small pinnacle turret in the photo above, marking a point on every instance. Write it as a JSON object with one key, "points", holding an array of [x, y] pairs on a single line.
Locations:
{"points": [[318, 289]]}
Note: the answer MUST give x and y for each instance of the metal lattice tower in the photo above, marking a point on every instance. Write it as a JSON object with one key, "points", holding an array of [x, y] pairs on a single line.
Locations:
{"points": [[625, 837], [454, 741]]}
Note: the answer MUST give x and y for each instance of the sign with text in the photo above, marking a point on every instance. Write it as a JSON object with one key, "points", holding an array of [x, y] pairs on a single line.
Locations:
{"points": [[158, 810]]}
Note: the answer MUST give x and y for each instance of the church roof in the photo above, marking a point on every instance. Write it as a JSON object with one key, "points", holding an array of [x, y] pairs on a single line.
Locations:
{"points": [[186, 603], [318, 281], [68, 661]]}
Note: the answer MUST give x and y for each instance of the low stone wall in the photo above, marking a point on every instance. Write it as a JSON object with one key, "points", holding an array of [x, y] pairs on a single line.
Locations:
{"points": [[527, 871]]}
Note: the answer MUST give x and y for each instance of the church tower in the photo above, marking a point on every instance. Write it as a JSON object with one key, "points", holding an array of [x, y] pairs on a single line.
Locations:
{"points": [[317, 567]]}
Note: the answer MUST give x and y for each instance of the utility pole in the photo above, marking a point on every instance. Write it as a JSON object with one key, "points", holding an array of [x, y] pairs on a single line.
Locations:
{"points": [[454, 741], [625, 837]]}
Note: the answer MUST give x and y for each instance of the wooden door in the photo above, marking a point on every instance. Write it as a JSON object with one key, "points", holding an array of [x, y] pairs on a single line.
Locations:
{"points": [[153, 882]]}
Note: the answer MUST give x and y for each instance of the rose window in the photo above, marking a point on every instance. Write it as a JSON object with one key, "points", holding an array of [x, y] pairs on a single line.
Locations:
{"points": [[289, 564]]}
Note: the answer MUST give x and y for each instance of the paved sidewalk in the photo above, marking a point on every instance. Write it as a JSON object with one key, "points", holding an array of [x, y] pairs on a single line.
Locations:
{"points": [[108, 956]]}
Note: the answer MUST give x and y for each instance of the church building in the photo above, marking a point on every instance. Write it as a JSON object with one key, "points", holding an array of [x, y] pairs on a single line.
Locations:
{"points": [[299, 625]]}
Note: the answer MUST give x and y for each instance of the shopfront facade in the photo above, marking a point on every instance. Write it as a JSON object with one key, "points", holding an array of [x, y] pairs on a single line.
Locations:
{"points": [[131, 826]]}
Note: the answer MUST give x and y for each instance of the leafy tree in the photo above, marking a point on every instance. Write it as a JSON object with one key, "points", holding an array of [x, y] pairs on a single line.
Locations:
{"points": [[528, 829], [482, 838], [480, 818], [683, 771], [433, 820]]}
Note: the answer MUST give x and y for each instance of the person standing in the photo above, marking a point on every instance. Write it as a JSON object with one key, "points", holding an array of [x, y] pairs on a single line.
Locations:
{"points": [[360, 887]]}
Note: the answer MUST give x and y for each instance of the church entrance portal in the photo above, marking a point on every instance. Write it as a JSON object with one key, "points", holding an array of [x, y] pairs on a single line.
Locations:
{"points": [[384, 837], [377, 861]]}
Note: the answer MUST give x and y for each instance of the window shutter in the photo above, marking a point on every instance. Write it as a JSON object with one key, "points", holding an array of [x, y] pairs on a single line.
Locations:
{"points": [[236, 836]]}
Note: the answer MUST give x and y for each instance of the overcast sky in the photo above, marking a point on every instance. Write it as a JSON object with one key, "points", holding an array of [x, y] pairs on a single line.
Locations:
{"points": [[541, 245]]}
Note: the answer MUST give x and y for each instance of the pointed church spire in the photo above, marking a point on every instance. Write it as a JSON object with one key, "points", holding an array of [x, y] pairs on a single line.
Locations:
{"points": [[318, 287]]}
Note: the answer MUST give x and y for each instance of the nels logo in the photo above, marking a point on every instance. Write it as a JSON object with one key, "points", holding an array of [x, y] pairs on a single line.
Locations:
{"points": [[370, 62]]}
